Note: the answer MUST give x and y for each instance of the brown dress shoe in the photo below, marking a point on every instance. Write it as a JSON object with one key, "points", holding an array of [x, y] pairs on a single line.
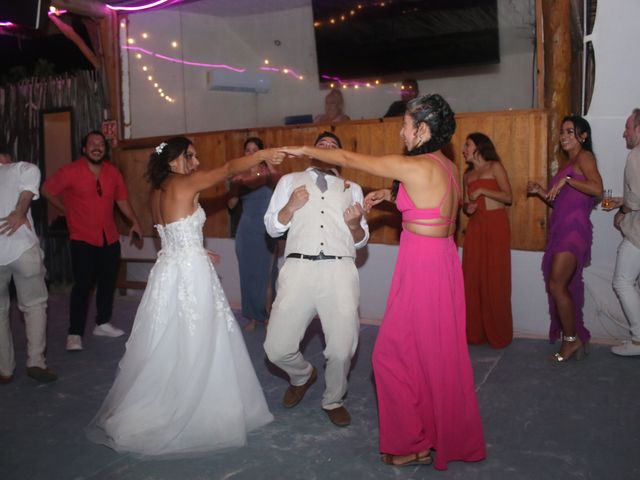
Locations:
{"points": [[42, 375], [339, 416], [294, 394], [6, 378]]}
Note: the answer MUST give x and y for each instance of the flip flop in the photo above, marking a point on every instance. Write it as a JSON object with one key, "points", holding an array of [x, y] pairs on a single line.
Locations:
{"points": [[387, 459]]}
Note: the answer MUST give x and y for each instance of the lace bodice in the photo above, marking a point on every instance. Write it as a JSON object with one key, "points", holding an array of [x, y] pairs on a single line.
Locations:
{"points": [[183, 235]]}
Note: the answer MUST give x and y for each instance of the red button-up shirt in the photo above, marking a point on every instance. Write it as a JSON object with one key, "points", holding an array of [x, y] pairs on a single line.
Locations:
{"points": [[88, 202]]}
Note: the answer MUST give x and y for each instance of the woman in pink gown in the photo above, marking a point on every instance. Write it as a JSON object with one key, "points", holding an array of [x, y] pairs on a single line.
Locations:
{"points": [[426, 397], [573, 192]]}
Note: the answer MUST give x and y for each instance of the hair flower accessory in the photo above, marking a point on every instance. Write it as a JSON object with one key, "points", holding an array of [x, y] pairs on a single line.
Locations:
{"points": [[160, 147]]}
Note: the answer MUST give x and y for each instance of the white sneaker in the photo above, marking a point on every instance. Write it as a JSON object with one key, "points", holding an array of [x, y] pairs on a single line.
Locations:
{"points": [[107, 330], [627, 349], [74, 343]]}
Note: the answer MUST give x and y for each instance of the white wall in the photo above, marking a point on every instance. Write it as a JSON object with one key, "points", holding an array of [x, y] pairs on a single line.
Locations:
{"points": [[245, 41], [616, 93]]}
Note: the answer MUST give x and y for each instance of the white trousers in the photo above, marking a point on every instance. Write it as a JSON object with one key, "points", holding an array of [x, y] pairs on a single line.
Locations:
{"points": [[28, 276], [330, 289], [625, 277]]}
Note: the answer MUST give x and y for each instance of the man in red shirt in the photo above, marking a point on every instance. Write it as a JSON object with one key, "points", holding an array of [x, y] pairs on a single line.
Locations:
{"points": [[85, 191]]}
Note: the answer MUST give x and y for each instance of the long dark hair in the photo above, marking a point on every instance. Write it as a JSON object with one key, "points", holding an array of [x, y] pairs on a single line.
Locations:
{"points": [[485, 148], [158, 169], [433, 110], [256, 140], [580, 126]]}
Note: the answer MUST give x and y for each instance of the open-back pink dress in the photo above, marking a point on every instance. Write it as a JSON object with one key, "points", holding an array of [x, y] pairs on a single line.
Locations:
{"points": [[424, 380]]}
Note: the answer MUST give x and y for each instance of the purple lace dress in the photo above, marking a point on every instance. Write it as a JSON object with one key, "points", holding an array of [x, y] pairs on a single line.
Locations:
{"points": [[570, 230]]}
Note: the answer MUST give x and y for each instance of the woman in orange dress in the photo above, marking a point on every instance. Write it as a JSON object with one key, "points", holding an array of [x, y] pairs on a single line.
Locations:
{"points": [[486, 259]]}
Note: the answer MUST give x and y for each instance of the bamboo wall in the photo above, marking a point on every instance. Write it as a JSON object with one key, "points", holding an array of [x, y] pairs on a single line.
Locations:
{"points": [[520, 138]]}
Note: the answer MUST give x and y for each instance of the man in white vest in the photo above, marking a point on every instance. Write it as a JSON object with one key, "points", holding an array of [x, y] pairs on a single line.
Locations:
{"points": [[325, 221]]}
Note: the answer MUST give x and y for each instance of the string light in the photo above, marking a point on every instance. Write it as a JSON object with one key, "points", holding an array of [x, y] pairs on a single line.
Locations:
{"points": [[343, 16], [145, 35], [174, 44], [140, 7], [184, 62], [344, 84], [55, 11]]}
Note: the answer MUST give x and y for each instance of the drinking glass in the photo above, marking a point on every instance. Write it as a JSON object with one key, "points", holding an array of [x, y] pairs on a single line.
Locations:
{"points": [[606, 199]]}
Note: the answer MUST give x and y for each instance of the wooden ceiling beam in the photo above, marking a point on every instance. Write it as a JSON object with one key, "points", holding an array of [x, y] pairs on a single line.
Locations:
{"points": [[87, 8]]}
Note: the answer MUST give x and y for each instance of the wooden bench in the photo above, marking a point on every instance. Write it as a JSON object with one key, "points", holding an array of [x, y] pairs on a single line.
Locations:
{"points": [[122, 282]]}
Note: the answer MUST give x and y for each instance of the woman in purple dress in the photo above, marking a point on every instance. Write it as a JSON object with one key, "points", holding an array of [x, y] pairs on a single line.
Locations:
{"points": [[572, 194]]}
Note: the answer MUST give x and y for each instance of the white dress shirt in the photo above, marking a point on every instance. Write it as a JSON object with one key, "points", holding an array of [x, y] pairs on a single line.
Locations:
{"points": [[16, 178], [630, 224]]}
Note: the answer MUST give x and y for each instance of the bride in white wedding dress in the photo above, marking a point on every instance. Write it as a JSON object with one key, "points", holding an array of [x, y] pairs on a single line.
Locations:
{"points": [[185, 383]]}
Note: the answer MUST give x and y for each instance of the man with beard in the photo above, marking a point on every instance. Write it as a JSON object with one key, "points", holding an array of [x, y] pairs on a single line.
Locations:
{"points": [[85, 190], [627, 220]]}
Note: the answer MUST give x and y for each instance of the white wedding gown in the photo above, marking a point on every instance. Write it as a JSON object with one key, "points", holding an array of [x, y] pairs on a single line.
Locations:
{"points": [[185, 383]]}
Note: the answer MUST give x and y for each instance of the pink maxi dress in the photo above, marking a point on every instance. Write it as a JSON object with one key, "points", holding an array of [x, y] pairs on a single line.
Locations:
{"points": [[424, 380]]}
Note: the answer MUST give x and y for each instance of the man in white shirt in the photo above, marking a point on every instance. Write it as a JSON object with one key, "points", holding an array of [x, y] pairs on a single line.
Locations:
{"points": [[22, 259], [627, 220], [325, 221]]}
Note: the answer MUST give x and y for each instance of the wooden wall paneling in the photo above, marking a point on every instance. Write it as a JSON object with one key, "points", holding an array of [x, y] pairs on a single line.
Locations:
{"points": [[133, 165], [520, 138], [214, 199]]}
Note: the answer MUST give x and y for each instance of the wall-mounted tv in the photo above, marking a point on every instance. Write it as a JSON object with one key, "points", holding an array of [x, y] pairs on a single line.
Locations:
{"points": [[393, 38]]}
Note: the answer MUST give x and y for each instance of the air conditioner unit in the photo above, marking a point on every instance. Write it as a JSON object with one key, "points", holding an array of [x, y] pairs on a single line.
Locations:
{"points": [[230, 81]]}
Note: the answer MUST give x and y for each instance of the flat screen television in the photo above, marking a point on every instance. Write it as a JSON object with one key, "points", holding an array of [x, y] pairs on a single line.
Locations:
{"points": [[358, 40]]}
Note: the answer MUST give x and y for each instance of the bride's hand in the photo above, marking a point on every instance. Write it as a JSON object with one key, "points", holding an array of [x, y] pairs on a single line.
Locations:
{"points": [[274, 156], [293, 151]]}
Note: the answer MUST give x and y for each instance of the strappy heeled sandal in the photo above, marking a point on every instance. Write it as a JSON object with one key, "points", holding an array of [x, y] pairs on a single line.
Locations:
{"points": [[578, 354]]}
